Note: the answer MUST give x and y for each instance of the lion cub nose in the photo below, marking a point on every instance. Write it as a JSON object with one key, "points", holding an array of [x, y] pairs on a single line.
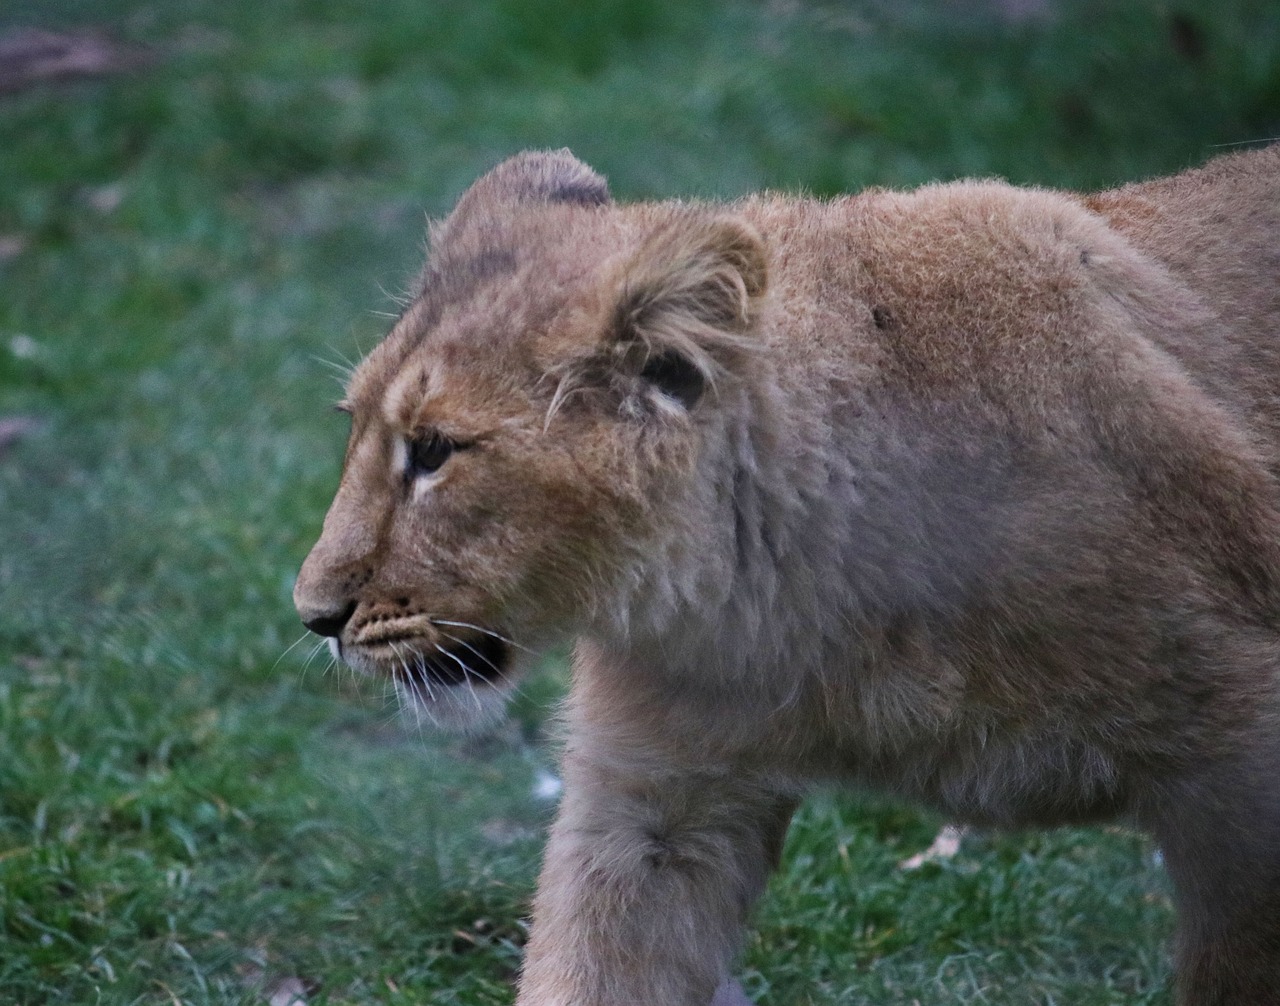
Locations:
{"points": [[330, 623]]}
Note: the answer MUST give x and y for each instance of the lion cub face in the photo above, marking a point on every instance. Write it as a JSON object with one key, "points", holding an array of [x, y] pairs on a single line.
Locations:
{"points": [[521, 437]]}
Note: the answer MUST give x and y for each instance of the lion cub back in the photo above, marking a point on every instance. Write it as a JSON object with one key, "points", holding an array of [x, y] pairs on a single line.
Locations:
{"points": [[1217, 230]]}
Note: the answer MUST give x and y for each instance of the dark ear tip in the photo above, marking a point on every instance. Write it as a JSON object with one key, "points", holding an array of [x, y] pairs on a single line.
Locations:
{"points": [[553, 176]]}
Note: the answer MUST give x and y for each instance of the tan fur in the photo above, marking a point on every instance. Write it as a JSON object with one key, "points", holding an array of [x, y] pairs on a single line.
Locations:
{"points": [[966, 494]]}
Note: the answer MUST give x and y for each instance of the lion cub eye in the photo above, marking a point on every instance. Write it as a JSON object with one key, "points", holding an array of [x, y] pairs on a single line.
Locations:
{"points": [[426, 454]]}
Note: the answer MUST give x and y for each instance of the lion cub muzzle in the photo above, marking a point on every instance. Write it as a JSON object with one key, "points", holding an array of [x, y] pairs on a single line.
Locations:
{"points": [[413, 648], [464, 657]]}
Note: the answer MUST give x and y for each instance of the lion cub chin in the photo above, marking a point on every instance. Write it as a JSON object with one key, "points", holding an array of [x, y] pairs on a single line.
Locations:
{"points": [[966, 494]]}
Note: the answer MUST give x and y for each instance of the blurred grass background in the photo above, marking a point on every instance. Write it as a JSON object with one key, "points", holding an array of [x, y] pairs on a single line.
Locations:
{"points": [[189, 249]]}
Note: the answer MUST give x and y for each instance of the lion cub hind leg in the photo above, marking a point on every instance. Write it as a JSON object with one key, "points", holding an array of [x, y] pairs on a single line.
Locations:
{"points": [[1221, 842], [1229, 951]]}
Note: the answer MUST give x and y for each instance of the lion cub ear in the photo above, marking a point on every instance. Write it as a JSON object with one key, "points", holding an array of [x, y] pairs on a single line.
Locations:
{"points": [[689, 298], [533, 177], [547, 176]]}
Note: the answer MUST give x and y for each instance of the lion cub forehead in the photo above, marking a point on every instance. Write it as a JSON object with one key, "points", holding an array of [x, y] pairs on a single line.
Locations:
{"points": [[495, 315], [407, 394], [459, 390]]}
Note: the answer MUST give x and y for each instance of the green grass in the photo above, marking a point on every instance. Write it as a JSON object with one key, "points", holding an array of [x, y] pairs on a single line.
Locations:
{"points": [[185, 815]]}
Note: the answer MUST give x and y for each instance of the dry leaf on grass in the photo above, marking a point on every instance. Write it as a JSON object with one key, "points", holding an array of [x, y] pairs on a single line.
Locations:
{"points": [[945, 846], [289, 992]]}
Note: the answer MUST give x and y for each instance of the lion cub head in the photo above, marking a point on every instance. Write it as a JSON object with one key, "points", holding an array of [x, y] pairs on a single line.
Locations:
{"points": [[532, 445]]}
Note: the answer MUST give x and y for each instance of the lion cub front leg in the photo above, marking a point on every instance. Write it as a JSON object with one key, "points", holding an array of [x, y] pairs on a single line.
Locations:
{"points": [[647, 882]]}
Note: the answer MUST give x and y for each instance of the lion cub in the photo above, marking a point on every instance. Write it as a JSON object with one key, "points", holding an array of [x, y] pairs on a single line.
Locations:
{"points": [[966, 494]]}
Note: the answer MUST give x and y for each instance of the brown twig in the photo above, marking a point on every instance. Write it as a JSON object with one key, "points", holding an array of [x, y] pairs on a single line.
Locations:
{"points": [[32, 56]]}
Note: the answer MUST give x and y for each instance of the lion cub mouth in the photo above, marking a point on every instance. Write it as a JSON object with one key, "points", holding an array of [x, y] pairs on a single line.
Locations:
{"points": [[461, 658]]}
